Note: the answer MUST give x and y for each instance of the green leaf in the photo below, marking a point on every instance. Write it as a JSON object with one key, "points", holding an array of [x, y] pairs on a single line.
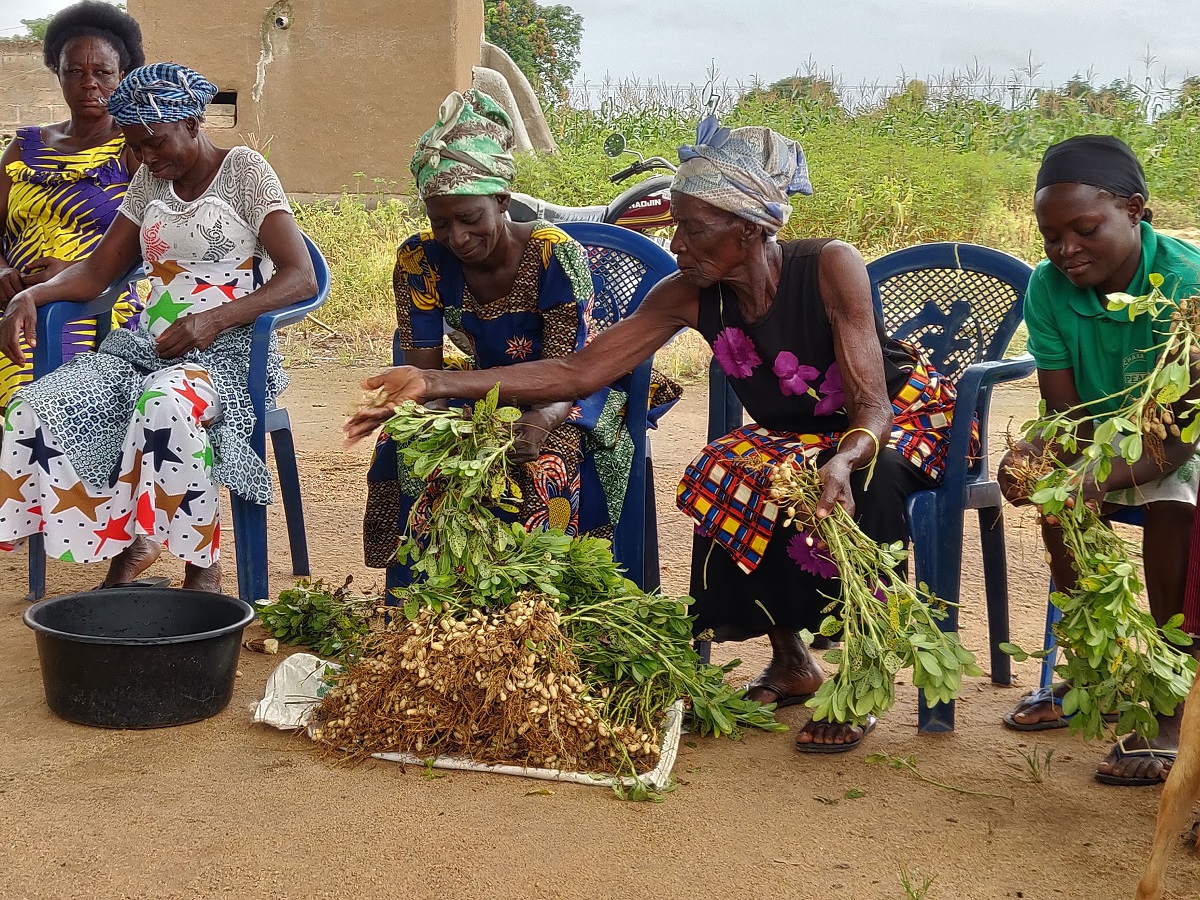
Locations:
{"points": [[1015, 652], [1131, 447]]}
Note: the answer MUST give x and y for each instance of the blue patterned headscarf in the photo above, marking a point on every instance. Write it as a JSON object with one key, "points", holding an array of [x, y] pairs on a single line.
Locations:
{"points": [[746, 171], [160, 92]]}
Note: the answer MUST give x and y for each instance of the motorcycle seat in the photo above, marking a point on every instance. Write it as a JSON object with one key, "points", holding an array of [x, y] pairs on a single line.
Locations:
{"points": [[525, 208]]}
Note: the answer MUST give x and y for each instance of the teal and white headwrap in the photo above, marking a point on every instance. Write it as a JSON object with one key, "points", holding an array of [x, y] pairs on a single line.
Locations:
{"points": [[160, 92], [746, 171], [468, 151]]}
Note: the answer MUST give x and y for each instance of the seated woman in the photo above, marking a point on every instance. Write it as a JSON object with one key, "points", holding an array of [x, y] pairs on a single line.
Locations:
{"points": [[61, 184], [518, 291], [1090, 205], [793, 326], [118, 453]]}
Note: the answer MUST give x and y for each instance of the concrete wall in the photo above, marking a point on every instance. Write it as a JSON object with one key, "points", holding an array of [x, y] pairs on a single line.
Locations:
{"points": [[29, 92], [337, 87]]}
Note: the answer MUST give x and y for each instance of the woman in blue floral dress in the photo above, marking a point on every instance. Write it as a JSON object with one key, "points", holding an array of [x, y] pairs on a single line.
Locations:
{"points": [[519, 292]]}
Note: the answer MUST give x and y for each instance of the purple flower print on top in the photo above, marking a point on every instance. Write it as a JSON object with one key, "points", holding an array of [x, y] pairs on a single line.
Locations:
{"points": [[833, 397], [793, 378], [811, 559], [735, 353]]}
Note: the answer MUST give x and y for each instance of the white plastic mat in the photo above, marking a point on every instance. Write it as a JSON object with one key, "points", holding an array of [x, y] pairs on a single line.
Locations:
{"points": [[298, 683]]}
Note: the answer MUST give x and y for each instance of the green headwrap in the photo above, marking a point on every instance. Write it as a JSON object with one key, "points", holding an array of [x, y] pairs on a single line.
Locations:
{"points": [[468, 151]]}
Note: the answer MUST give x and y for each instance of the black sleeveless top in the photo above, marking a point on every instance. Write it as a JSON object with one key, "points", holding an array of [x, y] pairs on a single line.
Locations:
{"points": [[783, 368]]}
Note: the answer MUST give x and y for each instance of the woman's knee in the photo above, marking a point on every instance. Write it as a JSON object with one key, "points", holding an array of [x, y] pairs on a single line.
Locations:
{"points": [[891, 480], [881, 505]]}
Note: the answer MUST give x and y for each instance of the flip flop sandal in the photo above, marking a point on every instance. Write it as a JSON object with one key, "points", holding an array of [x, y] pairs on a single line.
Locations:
{"points": [[1123, 754], [1044, 695], [783, 698], [812, 747]]}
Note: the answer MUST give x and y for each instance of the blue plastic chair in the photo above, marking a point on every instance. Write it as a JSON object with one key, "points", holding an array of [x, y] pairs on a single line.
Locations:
{"points": [[960, 304], [1130, 515], [625, 266], [249, 518]]}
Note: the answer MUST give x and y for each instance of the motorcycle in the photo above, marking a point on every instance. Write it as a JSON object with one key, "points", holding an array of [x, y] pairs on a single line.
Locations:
{"points": [[642, 207]]}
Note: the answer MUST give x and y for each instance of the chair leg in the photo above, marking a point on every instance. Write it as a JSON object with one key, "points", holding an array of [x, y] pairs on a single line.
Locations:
{"points": [[653, 575], [293, 503], [937, 561], [1050, 642], [37, 568], [250, 538], [995, 584]]}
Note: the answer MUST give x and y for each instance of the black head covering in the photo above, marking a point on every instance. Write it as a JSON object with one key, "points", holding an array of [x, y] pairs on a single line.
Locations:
{"points": [[1096, 159]]}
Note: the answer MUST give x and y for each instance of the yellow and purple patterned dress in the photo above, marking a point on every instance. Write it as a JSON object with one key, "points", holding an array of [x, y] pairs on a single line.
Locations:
{"points": [[60, 204]]}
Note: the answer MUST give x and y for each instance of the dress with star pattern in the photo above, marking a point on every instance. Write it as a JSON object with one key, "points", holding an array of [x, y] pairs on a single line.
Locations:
{"points": [[56, 474]]}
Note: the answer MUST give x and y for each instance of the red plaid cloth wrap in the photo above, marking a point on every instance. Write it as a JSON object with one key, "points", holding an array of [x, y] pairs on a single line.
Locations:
{"points": [[731, 503]]}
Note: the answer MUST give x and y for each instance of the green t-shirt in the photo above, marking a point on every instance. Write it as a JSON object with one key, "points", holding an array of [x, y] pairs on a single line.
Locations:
{"points": [[1070, 328]]}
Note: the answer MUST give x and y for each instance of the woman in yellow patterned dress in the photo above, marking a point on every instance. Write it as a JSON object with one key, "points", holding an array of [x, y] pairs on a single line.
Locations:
{"points": [[61, 184]]}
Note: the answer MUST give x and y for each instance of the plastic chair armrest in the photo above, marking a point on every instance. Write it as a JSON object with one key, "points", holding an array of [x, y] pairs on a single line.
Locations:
{"points": [[52, 320], [260, 344], [974, 394]]}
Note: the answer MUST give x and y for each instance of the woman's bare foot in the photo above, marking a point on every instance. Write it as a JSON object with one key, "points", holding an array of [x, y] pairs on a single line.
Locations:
{"points": [[832, 737], [792, 675], [1039, 710], [197, 578], [131, 562], [1135, 762]]}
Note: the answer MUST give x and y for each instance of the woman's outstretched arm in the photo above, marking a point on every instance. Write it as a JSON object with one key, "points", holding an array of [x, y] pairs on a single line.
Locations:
{"points": [[671, 305]]}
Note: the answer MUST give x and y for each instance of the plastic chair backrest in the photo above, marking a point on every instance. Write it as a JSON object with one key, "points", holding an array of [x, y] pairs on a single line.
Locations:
{"points": [[959, 303], [624, 264]]}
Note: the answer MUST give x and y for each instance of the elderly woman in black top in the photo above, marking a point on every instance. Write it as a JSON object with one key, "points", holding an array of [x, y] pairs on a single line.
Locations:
{"points": [[793, 327]]}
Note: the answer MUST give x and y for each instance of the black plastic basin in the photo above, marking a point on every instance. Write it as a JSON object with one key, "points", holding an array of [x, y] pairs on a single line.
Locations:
{"points": [[138, 657]]}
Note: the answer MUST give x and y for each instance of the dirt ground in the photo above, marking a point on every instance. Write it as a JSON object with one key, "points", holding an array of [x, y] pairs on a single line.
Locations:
{"points": [[223, 808]]}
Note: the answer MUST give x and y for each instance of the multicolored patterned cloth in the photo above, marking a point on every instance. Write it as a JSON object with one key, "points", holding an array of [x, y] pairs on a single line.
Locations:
{"points": [[747, 171], [468, 151], [725, 488], [60, 204]]}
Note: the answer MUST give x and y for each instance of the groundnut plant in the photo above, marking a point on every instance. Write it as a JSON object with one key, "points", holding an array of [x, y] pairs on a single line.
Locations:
{"points": [[528, 647]]}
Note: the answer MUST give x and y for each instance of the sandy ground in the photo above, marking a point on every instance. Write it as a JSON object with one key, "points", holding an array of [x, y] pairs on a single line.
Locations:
{"points": [[223, 808]]}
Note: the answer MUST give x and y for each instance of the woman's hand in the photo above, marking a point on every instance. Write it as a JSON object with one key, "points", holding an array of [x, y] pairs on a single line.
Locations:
{"points": [[835, 476], [44, 268], [530, 432], [20, 321], [392, 387], [1018, 456], [194, 332], [10, 284]]}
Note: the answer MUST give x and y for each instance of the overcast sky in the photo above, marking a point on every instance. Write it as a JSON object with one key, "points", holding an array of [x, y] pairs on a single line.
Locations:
{"points": [[863, 40]]}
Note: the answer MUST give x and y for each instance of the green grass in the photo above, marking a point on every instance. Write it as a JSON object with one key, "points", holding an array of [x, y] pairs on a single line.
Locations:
{"points": [[903, 171]]}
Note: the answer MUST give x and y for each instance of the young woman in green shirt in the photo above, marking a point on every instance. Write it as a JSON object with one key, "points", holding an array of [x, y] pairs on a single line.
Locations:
{"points": [[1090, 205]]}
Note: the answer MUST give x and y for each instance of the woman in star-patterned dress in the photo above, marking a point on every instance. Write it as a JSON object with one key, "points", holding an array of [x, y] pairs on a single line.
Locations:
{"points": [[119, 453], [519, 292]]}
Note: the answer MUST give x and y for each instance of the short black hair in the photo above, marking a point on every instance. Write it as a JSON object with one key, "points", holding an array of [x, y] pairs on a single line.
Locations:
{"points": [[94, 18]]}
